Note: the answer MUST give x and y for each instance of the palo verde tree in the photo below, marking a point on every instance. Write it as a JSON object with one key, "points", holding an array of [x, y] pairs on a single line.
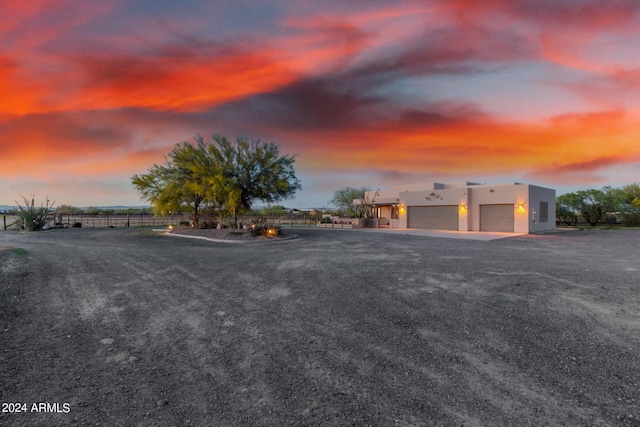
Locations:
{"points": [[631, 204], [223, 175], [182, 184], [631, 194], [254, 171], [344, 200], [565, 214], [593, 204]]}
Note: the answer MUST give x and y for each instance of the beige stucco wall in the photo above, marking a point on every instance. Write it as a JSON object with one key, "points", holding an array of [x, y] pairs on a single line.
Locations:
{"points": [[438, 197], [537, 195], [469, 196], [516, 194]]}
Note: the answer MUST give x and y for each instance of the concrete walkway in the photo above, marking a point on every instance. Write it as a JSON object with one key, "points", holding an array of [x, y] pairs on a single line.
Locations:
{"points": [[448, 234]]}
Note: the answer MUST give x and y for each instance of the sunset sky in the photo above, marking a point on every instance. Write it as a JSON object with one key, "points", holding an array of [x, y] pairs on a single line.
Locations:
{"points": [[366, 93]]}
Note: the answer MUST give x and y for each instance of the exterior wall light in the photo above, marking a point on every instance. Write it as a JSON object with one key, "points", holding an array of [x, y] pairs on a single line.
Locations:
{"points": [[522, 207], [463, 207]]}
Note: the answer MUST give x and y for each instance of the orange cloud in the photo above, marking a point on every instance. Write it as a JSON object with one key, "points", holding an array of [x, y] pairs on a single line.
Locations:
{"points": [[475, 148], [169, 77], [353, 89], [181, 82]]}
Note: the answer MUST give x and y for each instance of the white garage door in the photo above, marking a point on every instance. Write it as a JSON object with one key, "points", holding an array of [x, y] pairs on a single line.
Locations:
{"points": [[433, 217], [496, 217]]}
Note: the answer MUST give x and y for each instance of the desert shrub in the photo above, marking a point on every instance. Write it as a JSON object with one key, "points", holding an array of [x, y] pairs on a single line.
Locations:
{"points": [[32, 217], [632, 219], [264, 230]]}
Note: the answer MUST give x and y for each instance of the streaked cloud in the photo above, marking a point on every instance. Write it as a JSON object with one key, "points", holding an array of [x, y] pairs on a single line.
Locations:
{"points": [[383, 90]]}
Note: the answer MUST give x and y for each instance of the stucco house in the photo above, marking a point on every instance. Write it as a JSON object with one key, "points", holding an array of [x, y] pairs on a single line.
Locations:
{"points": [[520, 208]]}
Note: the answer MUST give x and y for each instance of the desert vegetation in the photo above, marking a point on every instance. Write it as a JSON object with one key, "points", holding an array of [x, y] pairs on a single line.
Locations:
{"points": [[608, 205], [32, 217], [219, 176]]}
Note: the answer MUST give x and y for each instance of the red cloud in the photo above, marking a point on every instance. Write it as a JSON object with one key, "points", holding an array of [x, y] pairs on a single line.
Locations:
{"points": [[76, 102], [179, 82], [476, 148]]}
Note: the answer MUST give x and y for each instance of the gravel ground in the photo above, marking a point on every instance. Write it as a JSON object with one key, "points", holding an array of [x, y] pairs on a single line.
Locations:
{"points": [[337, 327], [227, 234]]}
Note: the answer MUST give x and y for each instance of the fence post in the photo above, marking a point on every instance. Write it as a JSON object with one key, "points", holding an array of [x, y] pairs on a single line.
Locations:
{"points": [[4, 219], [127, 220]]}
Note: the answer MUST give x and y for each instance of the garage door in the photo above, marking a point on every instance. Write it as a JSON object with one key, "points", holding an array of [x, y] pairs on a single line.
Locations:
{"points": [[433, 217], [496, 218]]}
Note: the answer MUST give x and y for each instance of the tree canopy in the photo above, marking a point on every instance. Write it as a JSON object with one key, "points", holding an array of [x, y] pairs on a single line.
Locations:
{"points": [[593, 204], [631, 194], [223, 175], [343, 199]]}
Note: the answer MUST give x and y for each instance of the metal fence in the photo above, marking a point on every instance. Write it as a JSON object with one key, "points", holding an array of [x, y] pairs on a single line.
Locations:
{"points": [[118, 220], [145, 220]]}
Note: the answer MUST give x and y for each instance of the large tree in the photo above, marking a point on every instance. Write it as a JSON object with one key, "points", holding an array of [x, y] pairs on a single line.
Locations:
{"points": [[344, 199], [182, 183], [593, 204], [222, 174], [255, 169]]}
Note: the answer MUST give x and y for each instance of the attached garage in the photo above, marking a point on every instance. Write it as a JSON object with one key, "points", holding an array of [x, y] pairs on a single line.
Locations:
{"points": [[497, 217], [433, 217], [466, 206]]}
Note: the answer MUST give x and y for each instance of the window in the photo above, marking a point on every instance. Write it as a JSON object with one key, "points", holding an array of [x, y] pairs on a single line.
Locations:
{"points": [[544, 211]]}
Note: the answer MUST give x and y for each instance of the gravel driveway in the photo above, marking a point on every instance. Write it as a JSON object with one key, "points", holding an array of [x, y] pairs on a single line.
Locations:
{"points": [[127, 327]]}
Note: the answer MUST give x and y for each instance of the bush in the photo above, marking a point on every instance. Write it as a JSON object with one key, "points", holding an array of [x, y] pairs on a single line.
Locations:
{"points": [[610, 219], [33, 218], [263, 230], [77, 224], [632, 219]]}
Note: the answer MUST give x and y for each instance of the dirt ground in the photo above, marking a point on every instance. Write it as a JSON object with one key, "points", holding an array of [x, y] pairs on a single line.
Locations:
{"points": [[126, 327], [226, 234]]}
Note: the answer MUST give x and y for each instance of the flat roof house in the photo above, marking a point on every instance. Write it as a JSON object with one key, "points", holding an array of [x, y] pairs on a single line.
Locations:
{"points": [[520, 208]]}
